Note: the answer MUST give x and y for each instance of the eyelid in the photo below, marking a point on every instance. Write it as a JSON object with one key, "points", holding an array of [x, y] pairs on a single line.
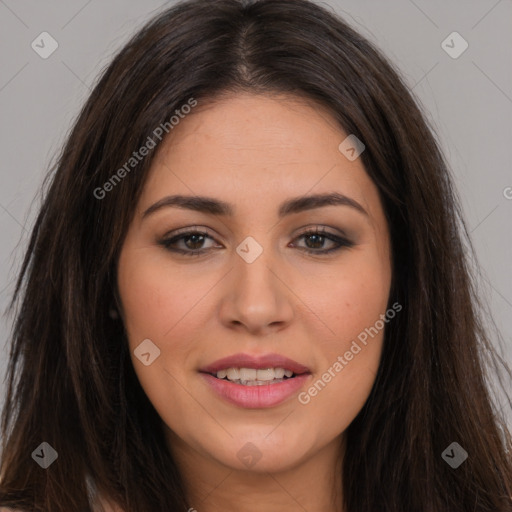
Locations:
{"points": [[322, 228], [303, 230], [342, 241]]}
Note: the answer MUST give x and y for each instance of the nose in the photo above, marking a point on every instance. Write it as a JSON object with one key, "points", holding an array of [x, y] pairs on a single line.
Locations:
{"points": [[256, 297]]}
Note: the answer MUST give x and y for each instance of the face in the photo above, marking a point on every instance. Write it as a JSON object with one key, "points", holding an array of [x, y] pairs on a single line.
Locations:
{"points": [[265, 282]]}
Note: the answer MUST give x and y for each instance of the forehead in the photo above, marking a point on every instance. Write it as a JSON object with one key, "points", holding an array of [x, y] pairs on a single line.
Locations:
{"points": [[254, 149], [241, 125]]}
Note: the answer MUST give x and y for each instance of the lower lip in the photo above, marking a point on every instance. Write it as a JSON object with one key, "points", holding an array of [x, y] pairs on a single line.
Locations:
{"points": [[256, 397]]}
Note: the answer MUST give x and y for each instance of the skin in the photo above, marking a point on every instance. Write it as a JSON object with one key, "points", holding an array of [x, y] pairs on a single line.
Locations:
{"points": [[256, 151]]}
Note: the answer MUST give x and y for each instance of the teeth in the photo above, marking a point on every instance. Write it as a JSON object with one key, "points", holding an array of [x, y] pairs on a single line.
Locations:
{"points": [[248, 374], [278, 373], [253, 377], [257, 382], [233, 374], [268, 374]]}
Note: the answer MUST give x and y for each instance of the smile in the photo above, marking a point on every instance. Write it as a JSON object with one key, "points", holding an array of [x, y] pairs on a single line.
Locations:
{"points": [[255, 381], [254, 377]]}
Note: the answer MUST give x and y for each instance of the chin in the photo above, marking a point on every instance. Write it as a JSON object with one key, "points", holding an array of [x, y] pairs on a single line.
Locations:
{"points": [[263, 453]]}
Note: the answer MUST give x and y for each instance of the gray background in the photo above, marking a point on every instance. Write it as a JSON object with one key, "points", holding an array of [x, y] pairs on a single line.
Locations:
{"points": [[468, 101]]}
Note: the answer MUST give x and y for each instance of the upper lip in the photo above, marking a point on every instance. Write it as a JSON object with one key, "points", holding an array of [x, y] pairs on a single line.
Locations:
{"points": [[257, 362]]}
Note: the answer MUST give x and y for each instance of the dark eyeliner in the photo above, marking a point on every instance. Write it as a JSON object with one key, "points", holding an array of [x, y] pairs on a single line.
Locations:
{"points": [[166, 242], [341, 241]]}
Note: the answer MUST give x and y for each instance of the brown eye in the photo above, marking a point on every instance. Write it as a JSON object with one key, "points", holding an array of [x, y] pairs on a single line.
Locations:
{"points": [[192, 243], [315, 240]]}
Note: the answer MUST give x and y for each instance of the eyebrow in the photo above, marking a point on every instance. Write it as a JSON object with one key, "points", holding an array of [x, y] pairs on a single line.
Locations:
{"points": [[214, 206]]}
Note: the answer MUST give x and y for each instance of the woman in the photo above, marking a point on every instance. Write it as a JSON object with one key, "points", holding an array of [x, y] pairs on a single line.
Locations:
{"points": [[247, 288]]}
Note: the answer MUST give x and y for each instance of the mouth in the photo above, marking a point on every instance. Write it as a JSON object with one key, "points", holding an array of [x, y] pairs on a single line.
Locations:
{"points": [[254, 376], [256, 381]]}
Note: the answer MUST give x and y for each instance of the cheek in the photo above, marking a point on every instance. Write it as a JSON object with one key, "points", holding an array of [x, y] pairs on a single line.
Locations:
{"points": [[144, 300], [350, 362], [156, 298], [355, 310], [352, 301], [159, 304]]}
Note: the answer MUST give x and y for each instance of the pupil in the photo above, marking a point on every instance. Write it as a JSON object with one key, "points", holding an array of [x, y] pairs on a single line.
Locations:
{"points": [[318, 239], [196, 242]]}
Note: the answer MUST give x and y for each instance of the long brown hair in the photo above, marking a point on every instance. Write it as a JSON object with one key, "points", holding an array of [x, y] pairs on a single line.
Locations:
{"points": [[70, 379]]}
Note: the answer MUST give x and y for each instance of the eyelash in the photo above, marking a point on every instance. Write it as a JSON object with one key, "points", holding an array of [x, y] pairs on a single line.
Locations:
{"points": [[342, 242]]}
